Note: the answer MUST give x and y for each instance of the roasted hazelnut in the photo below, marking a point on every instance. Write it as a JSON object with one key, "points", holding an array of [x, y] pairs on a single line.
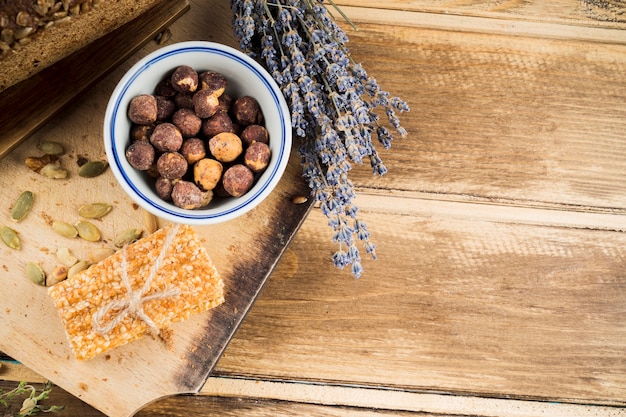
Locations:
{"points": [[207, 173], [205, 103], [141, 132], [184, 79], [164, 187], [172, 165], [166, 138], [213, 81], [165, 108], [216, 124], [184, 101], [193, 150], [142, 109], [187, 122], [246, 111], [255, 133], [237, 180], [257, 156], [140, 155], [225, 102], [187, 195], [165, 89], [225, 147]]}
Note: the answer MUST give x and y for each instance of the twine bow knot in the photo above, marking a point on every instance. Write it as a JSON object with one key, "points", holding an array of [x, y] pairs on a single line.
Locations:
{"points": [[132, 305]]}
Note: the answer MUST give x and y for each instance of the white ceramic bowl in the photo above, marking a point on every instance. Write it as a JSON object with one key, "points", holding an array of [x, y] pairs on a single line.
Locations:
{"points": [[245, 77]]}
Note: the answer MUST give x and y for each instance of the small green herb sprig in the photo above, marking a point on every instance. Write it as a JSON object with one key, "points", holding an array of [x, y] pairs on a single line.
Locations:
{"points": [[30, 403]]}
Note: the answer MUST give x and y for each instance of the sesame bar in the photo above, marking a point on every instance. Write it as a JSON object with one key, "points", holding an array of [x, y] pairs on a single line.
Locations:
{"points": [[141, 289]]}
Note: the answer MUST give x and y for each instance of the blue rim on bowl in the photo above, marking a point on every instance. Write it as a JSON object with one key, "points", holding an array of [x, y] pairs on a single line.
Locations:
{"points": [[222, 58]]}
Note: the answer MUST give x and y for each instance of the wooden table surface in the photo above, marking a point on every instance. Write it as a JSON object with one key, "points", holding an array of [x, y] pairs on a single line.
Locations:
{"points": [[500, 285]]}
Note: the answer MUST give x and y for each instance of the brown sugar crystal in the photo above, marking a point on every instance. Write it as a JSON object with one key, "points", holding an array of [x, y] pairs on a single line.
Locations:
{"points": [[170, 276]]}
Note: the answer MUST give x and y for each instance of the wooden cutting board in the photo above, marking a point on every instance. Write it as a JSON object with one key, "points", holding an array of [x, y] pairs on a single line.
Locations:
{"points": [[244, 250]]}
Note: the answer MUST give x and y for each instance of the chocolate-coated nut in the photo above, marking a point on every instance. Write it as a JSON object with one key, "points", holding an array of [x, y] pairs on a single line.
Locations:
{"points": [[165, 108], [164, 187], [193, 150], [257, 156], [205, 103], [187, 122], [140, 155], [255, 133], [172, 165], [166, 138], [142, 109], [225, 147], [225, 102], [141, 132], [246, 111], [164, 88], [207, 173], [184, 79], [184, 100], [187, 195], [213, 81], [216, 124], [237, 180]]}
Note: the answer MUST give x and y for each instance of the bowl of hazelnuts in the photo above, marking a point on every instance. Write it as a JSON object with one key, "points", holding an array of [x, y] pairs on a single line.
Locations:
{"points": [[197, 133]]}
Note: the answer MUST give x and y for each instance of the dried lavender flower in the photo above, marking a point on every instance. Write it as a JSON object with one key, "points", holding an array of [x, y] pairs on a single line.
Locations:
{"points": [[333, 105]]}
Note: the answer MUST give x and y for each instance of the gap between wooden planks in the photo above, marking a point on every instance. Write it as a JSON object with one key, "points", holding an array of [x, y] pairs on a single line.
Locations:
{"points": [[368, 397]]}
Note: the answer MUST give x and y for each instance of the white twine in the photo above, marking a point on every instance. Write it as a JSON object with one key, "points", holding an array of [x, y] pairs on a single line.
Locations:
{"points": [[133, 304]]}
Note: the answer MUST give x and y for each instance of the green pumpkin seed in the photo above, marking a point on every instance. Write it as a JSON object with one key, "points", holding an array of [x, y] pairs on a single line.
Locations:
{"points": [[94, 211], [78, 267], [22, 206], [92, 169], [99, 254], [127, 237], [50, 147], [54, 170], [64, 229], [10, 237], [87, 231], [65, 257], [150, 222], [35, 273]]}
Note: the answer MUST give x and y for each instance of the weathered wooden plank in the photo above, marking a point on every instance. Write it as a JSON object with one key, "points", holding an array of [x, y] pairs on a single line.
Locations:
{"points": [[491, 307], [521, 120]]}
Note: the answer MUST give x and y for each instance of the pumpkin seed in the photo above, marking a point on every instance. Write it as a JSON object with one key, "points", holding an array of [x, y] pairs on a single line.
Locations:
{"points": [[50, 147], [150, 222], [99, 254], [127, 237], [92, 169], [35, 273], [57, 275], [94, 211], [65, 257], [22, 206], [54, 170], [87, 231], [10, 237], [64, 229], [77, 267]]}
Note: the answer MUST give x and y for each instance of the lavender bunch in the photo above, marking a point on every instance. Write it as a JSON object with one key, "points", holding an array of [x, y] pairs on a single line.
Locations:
{"points": [[333, 105]]}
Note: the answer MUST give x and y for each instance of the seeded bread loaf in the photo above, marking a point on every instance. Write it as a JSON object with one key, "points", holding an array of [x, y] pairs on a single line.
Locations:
{"points": [[35, 34]]}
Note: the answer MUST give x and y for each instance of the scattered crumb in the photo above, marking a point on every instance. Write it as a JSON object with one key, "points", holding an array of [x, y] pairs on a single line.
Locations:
{"points": [[107, 357], [167, 336], [83, 386], [46, 218]]}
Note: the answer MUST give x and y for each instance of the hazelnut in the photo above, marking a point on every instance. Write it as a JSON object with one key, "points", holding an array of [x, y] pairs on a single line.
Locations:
{"points": [[216, 124], [187, 195], [207, 173], [187, 122], [225, 101], [165, 108], [205, 103], [255, 133], [172, 165], [213, 81], [237, 180], [164, 187], [225, 147], [141, 132], [184, 79], [257, 156], [166, 138], [142, 109], [140, 155], [165, 89], [193, 150], [183, 101], [246, 111]]}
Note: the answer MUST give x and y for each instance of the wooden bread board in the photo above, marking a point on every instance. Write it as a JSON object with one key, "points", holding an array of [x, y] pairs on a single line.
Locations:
{"points": [[244, 250]]}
